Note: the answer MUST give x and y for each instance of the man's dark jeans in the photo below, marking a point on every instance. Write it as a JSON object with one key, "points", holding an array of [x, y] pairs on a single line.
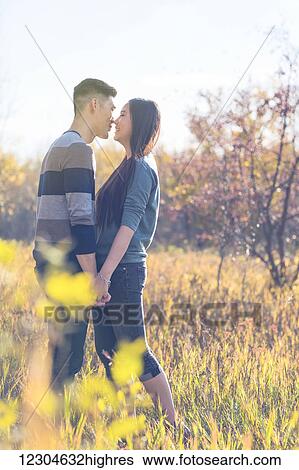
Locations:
{"points": [[122, 318]]}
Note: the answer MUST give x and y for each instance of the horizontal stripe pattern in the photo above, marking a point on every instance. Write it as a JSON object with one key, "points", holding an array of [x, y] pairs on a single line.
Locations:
{"points": [[56, 207], [51, 230], [79, 180], [75, 156], [51, 183], [81, 208], [70, 180], [66, 195], [52, 207]]}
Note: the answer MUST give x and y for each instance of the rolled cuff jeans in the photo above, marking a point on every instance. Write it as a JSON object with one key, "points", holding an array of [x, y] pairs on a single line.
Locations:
{"points": [[122, 318]]}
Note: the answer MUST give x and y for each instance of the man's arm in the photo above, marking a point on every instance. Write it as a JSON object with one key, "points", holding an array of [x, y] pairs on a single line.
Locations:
{"points": [[78, 179], [88, 263]]}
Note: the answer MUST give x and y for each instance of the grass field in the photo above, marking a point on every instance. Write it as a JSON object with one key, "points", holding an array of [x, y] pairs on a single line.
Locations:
{"points": [[236, 385]]}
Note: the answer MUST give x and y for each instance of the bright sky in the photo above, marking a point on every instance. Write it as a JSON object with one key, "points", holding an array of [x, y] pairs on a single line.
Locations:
{"points": [[166, 50]]}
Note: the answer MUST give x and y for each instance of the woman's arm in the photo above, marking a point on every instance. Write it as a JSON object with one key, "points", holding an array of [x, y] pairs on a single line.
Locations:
{"points": [[118, 249]]}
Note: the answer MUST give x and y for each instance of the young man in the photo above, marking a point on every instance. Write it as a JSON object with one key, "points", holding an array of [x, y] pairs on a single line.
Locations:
{"points": [[65, 215]]}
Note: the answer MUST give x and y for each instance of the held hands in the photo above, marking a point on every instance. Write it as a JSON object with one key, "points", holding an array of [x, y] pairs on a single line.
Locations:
{"points": [[101, 286]]}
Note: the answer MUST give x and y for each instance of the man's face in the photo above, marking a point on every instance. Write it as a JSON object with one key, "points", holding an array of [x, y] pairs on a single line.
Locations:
{"points": [[102, 116]]}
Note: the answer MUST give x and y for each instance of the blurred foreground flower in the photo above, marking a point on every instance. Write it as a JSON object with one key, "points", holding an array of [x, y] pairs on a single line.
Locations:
{"points": [[42, 306], [8, 414], [7, 252], [96, 391], [71, 289], [126, 427], [128, 361], [55, 255], [40, 405]]}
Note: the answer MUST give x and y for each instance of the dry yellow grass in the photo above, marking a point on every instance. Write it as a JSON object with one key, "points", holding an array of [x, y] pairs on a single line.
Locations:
{"points": [[236, 386]]}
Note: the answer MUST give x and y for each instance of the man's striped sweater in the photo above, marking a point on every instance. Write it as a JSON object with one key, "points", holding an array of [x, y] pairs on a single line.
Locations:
{"points": [[65, 211]]}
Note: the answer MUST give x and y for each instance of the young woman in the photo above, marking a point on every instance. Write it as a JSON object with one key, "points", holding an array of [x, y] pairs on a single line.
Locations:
{"points": [[127, 208]]}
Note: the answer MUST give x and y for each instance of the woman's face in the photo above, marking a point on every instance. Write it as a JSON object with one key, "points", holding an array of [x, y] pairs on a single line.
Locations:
{"points": [[123, 126]]}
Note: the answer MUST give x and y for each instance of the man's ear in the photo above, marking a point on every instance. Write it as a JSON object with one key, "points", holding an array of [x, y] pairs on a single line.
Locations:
{"points": [[93, 104]]}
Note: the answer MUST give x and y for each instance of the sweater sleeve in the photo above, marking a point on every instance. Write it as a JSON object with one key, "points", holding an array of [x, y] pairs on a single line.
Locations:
{"points": [[137, 196], [79, 188]]}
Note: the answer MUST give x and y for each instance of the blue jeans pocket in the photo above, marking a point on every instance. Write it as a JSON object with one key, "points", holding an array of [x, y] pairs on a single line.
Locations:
{"points": [[118, 288]]}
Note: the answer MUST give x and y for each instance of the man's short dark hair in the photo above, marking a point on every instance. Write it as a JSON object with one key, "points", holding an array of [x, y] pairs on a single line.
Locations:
{"points": [[88, 87]]}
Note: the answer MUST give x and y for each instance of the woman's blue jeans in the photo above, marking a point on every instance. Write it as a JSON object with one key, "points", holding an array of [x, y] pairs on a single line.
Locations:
{"points": [[122, 318]]}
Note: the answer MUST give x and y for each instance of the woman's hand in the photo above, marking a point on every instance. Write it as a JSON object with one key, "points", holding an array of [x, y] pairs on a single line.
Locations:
{"points": [[101, 287]]}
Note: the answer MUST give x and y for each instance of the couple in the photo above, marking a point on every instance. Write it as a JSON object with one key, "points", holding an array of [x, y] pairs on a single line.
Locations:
{"points": [[107, 235]]}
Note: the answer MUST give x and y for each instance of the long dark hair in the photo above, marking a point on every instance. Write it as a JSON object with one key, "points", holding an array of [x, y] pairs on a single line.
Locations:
{"points": [[145, 119]]}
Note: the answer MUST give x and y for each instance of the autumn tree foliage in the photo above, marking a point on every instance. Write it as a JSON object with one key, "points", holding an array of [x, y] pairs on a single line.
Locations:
{"points": [[240, 191], [18, 187]]}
